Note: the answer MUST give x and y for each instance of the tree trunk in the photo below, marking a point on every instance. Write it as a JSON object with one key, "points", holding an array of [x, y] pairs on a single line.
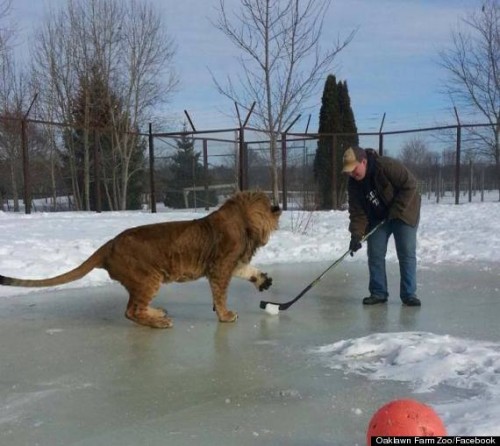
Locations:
{"points": [[53, 182], [124, 184], [74, 180], [274, 170], [15, 194], [497, 155], [86, 151]]}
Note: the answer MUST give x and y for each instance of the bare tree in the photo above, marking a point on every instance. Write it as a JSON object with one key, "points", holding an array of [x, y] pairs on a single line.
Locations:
{"points": [[473, 66], [126, 43], [12, 100], [6, 33], [10, 129], [415, 151], [148, 78], [282, 61], [55, 67]]}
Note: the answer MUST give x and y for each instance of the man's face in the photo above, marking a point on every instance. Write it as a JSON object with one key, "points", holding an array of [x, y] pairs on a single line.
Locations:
{"points": [[359, 171]]}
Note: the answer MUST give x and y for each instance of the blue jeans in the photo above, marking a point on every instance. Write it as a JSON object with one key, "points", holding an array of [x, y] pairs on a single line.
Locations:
{"points": [[405, 237]]}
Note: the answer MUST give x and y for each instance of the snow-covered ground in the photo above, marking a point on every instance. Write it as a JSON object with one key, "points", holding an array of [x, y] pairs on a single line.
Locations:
{"points": [[45, 244]]}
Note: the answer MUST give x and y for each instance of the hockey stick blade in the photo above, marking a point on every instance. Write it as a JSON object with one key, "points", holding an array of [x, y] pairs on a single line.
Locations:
{"points": [[285, 305]]}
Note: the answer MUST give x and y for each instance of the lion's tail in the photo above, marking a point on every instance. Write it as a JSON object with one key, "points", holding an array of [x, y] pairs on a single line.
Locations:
{"points": [[94, 261]]}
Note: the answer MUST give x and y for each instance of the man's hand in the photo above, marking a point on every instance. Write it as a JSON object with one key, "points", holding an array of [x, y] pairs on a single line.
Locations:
{"points": [[355, 244]]}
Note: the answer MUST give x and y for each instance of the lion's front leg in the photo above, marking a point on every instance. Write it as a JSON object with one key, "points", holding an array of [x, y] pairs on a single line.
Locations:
{"points": [[219, 286], [246, 271]]}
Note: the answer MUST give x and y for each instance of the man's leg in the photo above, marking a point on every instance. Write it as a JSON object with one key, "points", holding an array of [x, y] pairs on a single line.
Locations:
{"points": [[377, 249], [405, 237]]}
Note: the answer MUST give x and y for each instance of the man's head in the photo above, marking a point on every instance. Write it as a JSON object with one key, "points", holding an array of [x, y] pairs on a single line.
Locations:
{"points": [[355, 162]]}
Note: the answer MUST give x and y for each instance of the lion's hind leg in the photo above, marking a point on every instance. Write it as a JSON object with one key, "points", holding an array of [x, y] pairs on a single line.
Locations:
{"points": [[139, 310]]}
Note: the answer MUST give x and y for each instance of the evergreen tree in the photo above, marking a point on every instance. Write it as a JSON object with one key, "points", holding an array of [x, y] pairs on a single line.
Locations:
{"points": [[92, 122], [328, 124], [336, 118], [187, 172]]}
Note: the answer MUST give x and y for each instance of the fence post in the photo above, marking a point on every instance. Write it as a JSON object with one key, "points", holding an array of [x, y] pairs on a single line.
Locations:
{"points": [[242, 175], [205, 170], [283, 171], [284, 164], [457, 164], [152, 191], [381, 137], [243, 168], [457, 160]]}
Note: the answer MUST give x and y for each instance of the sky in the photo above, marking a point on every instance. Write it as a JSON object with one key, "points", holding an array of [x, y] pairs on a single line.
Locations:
{"points": [[391, 66], [45, 244]]}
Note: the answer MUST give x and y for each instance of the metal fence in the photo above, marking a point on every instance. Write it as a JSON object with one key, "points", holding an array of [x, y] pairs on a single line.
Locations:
{"points": [[35, 173], [459, 161]]}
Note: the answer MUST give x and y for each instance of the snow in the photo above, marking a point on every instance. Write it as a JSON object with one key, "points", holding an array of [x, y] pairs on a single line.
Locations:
{"points": [[427, 361], [45, 244]]}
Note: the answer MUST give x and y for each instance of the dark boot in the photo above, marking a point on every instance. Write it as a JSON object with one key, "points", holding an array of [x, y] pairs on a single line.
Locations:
{"points": [[412, 302], [373, 300]]}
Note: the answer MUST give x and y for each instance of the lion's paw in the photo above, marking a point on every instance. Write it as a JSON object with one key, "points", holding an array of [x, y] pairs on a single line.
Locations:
{"points": [[265, 282], [229, 316]]}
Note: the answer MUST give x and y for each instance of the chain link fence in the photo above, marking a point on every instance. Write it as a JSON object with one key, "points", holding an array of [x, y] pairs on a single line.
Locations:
{"points": [[453, 164], [55, 167]]}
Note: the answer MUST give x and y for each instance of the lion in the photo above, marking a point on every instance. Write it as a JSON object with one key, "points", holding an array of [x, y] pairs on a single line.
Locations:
{"points": [[217, 246]]}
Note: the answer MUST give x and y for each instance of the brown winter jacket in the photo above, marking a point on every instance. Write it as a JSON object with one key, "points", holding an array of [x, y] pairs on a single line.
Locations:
{"points": [[397, 188]]}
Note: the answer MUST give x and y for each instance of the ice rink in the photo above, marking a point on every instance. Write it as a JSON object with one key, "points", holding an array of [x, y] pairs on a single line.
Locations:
{"points": [[74, 371]]}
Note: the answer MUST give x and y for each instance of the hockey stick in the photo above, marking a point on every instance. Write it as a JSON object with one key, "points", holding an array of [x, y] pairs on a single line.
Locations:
{"points": [[286, 305]]}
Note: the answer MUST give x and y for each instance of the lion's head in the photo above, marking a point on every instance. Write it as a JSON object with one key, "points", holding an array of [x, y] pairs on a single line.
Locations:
{"points": [[261, 216]]}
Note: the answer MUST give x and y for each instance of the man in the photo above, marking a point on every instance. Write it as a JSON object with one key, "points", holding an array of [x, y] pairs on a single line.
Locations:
{"points": [[382, 188]]}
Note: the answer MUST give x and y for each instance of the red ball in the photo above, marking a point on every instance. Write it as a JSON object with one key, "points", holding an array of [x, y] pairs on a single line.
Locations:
{"points": [[405, 418]]}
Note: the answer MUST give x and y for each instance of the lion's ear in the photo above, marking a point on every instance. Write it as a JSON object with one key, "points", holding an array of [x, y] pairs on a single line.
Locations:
{"points": [[276, 210]]}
